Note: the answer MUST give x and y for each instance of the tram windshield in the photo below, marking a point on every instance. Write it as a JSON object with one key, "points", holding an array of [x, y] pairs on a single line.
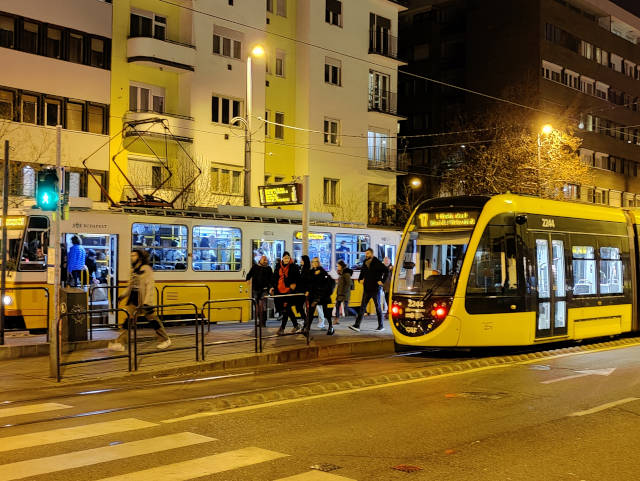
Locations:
{"points": [[431, 262]]}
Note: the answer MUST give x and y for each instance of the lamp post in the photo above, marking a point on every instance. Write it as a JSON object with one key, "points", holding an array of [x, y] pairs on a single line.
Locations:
{"points": [[546, 130], [257, 51]]}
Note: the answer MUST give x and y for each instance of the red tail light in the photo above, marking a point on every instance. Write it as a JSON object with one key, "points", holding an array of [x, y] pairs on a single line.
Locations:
{"points": [[441, 312], [395, 310]]}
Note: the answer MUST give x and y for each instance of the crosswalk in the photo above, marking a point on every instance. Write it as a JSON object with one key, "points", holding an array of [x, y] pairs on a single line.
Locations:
{"points": [[210, 460]]}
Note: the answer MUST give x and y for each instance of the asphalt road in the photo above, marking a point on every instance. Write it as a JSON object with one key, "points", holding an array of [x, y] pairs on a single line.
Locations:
{"points": [[568, 417]]}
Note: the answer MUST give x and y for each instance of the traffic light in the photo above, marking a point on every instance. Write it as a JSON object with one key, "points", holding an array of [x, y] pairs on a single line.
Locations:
{"points": [[47, 190]]}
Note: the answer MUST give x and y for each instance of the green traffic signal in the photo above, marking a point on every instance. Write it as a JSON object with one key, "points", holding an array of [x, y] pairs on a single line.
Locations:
{"points": [[47, 190]]}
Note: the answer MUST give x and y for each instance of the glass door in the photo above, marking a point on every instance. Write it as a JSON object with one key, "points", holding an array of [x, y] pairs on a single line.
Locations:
{"points": [[551, 319]]}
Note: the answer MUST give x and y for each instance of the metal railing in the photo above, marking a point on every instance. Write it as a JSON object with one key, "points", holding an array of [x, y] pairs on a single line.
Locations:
{"points": [[60, 363], [34, 288], [156, 351], [381, 42], [257, 338], [383, 101], [187, 286]]}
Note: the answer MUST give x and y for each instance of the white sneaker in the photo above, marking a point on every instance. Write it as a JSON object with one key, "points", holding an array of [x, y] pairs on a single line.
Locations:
{"points": [[321, 326], [164, 344], [115, 346]]}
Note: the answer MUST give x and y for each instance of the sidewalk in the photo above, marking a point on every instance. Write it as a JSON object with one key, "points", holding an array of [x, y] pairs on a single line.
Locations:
{"points": [[33, 372]]}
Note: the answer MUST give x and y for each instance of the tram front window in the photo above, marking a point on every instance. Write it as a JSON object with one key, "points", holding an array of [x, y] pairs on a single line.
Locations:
{"points": [[431, 262]]}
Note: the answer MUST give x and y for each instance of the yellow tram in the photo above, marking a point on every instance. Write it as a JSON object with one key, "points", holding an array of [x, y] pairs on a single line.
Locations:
{"points": [[511, 270], [196, 255]]}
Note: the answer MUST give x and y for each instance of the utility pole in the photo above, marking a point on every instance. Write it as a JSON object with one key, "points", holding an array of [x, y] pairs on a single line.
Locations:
{"points": [[54, 251], [305, 215], [5, 208]]}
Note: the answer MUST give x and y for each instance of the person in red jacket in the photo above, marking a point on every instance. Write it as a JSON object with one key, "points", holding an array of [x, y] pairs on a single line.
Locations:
{"points": [[285, 278]]}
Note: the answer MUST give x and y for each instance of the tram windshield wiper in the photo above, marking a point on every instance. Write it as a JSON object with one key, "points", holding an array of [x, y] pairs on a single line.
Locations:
{"points": [[435, 286]]}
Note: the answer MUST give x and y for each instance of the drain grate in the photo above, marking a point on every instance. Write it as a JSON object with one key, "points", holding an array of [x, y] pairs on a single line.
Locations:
{"points": [[325, 467], [407, 468]]}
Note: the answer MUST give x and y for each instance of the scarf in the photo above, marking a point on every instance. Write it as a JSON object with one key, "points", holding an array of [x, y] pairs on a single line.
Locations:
{"points": [[284, 273]]}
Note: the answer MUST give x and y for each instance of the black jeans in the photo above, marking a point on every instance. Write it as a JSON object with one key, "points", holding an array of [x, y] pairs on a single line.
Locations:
{"points": [[312, 307], [366, 297], [284, 308], [261, 305]]}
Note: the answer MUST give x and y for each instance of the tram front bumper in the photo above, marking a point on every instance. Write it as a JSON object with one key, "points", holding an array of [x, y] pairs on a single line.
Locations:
{"points": [[447, 334]]}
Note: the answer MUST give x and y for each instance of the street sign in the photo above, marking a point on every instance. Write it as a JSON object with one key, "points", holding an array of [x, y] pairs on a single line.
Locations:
{"points": [[281, 194]]}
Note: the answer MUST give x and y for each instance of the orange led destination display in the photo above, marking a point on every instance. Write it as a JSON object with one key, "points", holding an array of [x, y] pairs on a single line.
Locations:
{"points": [[439, 220], [282, 194], [14, 222]]}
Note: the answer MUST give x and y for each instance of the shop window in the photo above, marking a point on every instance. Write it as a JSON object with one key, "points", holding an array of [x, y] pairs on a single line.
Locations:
{"points": [[273, 249], [319, 246], [165, 243], [35, 244], [610, 271], [217, 248], [584, 270], [350, 248]]}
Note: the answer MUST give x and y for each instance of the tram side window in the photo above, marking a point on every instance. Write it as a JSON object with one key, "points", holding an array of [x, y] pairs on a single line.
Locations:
{"points": [[217, 248], [351, 248], [584, 270], [610, 271], [319, 246], [273, 249], [35, 244], [494, 270], [165, 243]]}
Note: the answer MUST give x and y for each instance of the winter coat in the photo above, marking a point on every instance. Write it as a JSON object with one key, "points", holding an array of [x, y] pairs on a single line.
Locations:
{"points": [[343, 292], [319, 286], [293, 277], [260, 277], [387, 279], [373, 273], [142, 279], [304, 283], [76, 258]]}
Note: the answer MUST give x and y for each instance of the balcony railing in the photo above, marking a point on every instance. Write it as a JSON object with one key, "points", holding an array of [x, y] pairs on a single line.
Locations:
{"points": [[381, 159], [383, 101], [381, 42], [169, 54]]}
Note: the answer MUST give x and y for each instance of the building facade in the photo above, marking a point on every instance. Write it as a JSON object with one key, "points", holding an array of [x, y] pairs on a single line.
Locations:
{"points": [[56, 70], [580, 56]]}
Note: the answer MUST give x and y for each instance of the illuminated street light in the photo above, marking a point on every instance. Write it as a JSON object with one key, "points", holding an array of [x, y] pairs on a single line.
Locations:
{"points": [[547, 129], [416, 183], [257, 51]]}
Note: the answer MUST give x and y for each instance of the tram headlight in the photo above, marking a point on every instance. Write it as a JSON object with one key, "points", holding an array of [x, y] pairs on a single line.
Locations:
{"points": [[8, 300], [440, 312]]}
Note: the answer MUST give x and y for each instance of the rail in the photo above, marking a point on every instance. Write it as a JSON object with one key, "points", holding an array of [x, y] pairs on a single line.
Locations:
{"points": [[60, 363], [257, 329], [156, 351], [186, 287], [34, 288]]}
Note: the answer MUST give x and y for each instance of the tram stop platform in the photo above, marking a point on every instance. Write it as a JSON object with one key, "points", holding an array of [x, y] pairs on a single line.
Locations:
{"points": [[24, 358]]}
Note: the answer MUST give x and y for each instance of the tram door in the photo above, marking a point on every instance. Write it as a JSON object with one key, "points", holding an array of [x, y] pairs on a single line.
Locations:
{"points": [[551, 318]]}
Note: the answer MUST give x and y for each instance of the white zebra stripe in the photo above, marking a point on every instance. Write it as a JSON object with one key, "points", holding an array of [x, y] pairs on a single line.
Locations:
{"points": [[31, 409]]}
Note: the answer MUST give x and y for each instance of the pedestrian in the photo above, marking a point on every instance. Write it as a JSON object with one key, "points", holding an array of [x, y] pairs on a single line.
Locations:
{"points": [[372, 276], [91, 264], [343, 292], [319, 295], [386, 285], [285, 278], [139, 294], [76, 261], [260, 276], [304, 287]]}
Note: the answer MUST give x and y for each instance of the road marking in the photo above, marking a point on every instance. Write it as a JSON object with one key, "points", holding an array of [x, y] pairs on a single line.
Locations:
{"points": [[586, 372], [32, 409], [51, 464], [71, 434], [605, 406], [316, 476], [389, 384], [196, 468]]}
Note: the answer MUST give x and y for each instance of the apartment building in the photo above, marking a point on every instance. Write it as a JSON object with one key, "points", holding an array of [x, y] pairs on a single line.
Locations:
{"points": [[55, 59], [581, 56], [179, 79]]}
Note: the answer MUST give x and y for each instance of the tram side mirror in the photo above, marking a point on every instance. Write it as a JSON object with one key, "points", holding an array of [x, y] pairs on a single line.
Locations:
{"points": [[521, 219]]}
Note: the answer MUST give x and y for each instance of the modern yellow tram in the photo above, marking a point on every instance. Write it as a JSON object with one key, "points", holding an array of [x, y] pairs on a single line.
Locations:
{"points": [[512, 270], [196, 256]]}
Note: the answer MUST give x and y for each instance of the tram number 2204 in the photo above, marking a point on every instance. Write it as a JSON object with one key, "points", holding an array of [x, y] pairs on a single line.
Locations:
{"points": [[415, 304], [548, 222]]}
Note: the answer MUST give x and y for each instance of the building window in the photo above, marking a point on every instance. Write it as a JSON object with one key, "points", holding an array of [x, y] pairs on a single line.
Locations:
{"points": [[586, 49], [96, 119], [224, 109], [266, 123], [281, 8], [29, 109], [330, 191], [279, 130], [227, 42], [226, 181], [280, 56], [30, 32], [378, 201], [75, 48], [331, 131], [54, 42], [97, 53], [7, 32], [571, 191], [52, 112], [74, 115], [270, 6], [160, 27], [148, 24], [333, 12], [378, 146], [332, 71], [146, 98], [7, 102]]}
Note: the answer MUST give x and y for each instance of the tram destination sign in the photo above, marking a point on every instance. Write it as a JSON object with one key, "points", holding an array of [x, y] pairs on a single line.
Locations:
{"points": [[447, 220], [281, 194]]}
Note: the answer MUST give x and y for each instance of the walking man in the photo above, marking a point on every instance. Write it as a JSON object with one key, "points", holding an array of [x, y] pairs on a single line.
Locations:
{"points": [[372, 277], [260, 277]]}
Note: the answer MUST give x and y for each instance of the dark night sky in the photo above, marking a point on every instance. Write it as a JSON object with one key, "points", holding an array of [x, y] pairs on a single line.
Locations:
{"points": [[631, 5]]}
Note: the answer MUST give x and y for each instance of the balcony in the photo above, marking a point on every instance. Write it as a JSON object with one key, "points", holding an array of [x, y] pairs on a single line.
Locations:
{"points": [[381, 159], [154, 52], [384, 102], [180, 126], [381, 42]]}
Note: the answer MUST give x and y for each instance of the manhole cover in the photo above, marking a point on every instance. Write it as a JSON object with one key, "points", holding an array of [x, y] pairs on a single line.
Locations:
{"points": [[325, 467], [407, 468], [478, 395]]}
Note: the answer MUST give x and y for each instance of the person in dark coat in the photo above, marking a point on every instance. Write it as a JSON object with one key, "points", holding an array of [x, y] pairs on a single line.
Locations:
{"points": [[260, 276], [372, 276], [303, 286], [319, 295], [284, 281], [90, 262], [343, 291]]}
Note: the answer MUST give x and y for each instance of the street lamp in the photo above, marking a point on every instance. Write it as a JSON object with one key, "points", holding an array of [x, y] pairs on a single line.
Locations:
{"points": [[257, 51], [546, 130], [416, 183]]}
